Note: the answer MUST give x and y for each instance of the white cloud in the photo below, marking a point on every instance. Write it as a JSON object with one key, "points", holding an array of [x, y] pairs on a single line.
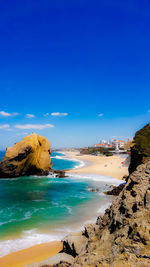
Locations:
{"points": [[34, 126], [59, 114], [46, 114], [101, 115], [6, 114], [4, 126], [29, 116]]}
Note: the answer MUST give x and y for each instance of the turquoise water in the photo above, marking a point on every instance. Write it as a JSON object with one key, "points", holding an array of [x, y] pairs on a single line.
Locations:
{"points": [[39, 209], [60, 163]]}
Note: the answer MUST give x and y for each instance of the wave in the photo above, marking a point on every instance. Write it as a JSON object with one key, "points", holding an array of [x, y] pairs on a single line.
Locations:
{"points": [[28, 239], [64, 157], [27, 216], [33, 237], [96, 178]]}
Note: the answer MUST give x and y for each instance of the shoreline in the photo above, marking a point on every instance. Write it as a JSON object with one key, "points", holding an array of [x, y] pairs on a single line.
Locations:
{"points": [[100, 165], [23, 257], [31, 255]]}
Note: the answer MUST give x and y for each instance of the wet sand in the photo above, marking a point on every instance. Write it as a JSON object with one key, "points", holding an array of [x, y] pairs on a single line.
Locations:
{"points": [[31, 255]]}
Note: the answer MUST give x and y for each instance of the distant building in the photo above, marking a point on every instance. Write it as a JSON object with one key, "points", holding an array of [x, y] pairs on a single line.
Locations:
{"points": [[99, 145], [117, 144]]}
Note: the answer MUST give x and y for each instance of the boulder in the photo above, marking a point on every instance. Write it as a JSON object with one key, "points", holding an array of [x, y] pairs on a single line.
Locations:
{"points": [[30, 156], [116, 190], [74, 244]]}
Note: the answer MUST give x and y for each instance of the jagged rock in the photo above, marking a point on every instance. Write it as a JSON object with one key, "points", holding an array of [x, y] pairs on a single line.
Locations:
{"points": [[59, 173], [74, 244], [121, 237], [116, 190], [30, 156]]}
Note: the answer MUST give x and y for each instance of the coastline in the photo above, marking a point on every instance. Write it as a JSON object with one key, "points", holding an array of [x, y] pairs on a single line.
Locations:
{"points": [[31, 255], [100, 165], [90, 165]]}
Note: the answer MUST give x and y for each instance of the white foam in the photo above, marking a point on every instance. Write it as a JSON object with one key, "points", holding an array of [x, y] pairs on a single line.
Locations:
{"points": [[71, 159], [32, 237], [95, 177], [28, 239]]}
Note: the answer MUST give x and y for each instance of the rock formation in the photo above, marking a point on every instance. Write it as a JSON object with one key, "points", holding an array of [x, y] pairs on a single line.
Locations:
{"points": [[30, 156], [122, 236], [116, 190], [140, 148]]}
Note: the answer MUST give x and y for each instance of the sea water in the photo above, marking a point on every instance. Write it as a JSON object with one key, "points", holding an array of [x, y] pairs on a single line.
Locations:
{"points": [[40, 209]]}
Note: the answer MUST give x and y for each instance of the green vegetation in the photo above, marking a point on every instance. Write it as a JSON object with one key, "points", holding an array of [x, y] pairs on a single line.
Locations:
{"points": [[97, 150], [142, 140]]}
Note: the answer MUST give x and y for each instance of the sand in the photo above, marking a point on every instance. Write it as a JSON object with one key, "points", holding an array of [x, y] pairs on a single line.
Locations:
{"points": [[30, 255], [102, 165]]}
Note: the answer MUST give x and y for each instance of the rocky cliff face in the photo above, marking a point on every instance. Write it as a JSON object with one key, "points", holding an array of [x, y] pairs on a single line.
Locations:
{"points": [[140, 150], [122, 236], [30, 156]]}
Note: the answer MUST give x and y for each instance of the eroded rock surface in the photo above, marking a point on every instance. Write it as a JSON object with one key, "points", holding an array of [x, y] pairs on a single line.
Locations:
{"points": [[122, 236], [115, 190], [74, 244], [30, 156]]}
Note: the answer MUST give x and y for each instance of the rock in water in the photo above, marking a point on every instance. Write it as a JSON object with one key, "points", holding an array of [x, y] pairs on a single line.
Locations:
{"points": [[30, 156]]}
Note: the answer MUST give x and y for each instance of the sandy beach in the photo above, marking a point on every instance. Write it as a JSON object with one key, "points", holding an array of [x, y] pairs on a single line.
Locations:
{"points": [[102, 165], [31, 255]]}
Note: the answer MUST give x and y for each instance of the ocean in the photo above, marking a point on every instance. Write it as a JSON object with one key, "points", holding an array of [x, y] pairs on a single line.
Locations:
{"points": [[35, 209]]}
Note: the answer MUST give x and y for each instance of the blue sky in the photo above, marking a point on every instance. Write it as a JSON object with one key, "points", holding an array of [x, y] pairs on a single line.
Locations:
{"points": [[76, 59]]}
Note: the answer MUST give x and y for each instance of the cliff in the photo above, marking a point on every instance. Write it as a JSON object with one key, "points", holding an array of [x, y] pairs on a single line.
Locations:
{"points": [[122, 236], [140, 148], [30, 156]]}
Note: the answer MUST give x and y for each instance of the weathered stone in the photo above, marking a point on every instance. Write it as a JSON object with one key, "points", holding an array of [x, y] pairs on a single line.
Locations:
{"points": [[74, 244], [57, 259], [30, 156], [121, 237], [116, 190]]}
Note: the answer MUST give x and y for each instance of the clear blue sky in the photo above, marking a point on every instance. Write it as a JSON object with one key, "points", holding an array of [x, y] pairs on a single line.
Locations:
{"points": [[83, 58]]}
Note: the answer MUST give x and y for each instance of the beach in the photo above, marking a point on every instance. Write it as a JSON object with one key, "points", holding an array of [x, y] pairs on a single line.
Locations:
{"points": [[98, 165], [101, 165], [31, 255]]}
